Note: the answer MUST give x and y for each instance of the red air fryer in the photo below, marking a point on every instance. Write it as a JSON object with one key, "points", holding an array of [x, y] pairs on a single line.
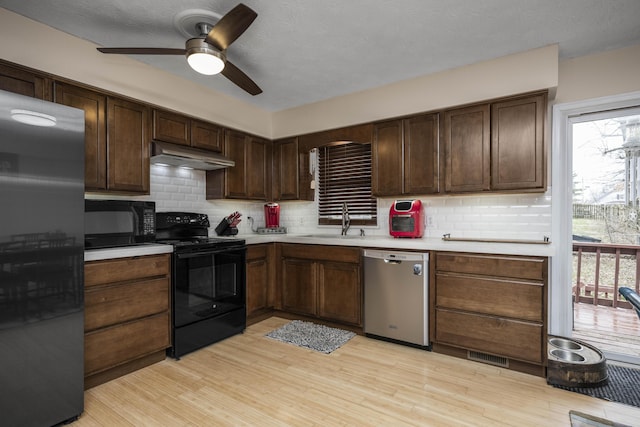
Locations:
{"points": [[406, 219], [272, 215]]}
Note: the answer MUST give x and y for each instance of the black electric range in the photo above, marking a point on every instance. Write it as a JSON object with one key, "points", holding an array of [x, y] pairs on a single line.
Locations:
{"points": [[208, 282], [188, 229]]}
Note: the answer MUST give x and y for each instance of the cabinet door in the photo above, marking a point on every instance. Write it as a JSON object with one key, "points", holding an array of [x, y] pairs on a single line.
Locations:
{"points": [[467, 149], [206, 136], [299, 286], [286, 169], [235, 148], [258, 172], [386, 158], [127, 146], [421, 167], [257, 278], [517, 143], [24, 82], [94, 105], [171, 127], [339, 296]]}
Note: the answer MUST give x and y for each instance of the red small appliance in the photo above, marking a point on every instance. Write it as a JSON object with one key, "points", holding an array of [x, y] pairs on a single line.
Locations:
{"points": [[272, 215], [406, 219]]}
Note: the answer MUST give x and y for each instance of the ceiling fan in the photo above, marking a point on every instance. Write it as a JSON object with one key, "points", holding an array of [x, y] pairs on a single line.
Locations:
{"points": [[206, 52]]}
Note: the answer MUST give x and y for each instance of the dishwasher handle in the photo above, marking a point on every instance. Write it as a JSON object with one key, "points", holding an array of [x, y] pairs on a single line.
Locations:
{"points": [[394, 257]]}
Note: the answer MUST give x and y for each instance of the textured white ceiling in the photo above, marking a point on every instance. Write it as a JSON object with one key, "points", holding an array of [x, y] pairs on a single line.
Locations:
{"points": [[302, 51]]}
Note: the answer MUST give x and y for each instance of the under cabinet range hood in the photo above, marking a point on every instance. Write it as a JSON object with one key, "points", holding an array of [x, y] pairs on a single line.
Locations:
{"points": [[180, 155]]}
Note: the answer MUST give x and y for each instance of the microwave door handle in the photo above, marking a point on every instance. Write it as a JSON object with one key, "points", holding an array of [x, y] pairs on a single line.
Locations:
{"points": [[136, 222]]}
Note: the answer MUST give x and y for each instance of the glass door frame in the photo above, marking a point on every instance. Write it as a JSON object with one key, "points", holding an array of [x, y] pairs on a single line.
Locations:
{"points": [[563, 115]]}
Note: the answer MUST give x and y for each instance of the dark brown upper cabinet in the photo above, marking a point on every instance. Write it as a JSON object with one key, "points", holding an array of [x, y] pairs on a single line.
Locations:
{"points": [[250, 178], [94, 105], [517, 143], [128, 125], [183, 130], [467, 148], [405, 156], [497, 146], [259, 168], [116, 139], [386, 157], [24, 82], [286, 169]]}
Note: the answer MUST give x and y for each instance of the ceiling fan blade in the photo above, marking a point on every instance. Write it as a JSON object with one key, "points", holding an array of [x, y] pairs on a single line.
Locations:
{"points": [[142, 50], [231, 26], [239, 78]]}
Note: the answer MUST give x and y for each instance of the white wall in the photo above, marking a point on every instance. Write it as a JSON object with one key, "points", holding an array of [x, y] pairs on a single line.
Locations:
{"points": [[536, 69], [612, 72], [521, 216]]}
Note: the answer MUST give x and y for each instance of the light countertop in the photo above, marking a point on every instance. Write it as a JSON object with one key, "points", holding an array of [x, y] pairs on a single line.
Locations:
{"points": [[127, 251], [386, 242]]}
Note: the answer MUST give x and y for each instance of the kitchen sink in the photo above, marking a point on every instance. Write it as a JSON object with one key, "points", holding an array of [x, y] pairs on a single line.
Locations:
{"points": [[331, 236]]}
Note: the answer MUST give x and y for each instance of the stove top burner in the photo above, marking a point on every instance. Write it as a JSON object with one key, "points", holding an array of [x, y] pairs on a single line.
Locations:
{"points": [[188, 232], [201, 243]]}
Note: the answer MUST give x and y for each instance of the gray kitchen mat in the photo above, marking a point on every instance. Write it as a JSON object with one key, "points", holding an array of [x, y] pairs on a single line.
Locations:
{"points": [[312, 336]]}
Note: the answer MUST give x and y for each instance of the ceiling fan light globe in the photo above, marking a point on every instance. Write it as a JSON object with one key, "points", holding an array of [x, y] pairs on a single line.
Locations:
{"points": [[205, 63]]}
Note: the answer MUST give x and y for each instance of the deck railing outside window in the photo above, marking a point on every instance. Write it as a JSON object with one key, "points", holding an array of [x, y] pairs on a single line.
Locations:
{"points": [[600, 269]]}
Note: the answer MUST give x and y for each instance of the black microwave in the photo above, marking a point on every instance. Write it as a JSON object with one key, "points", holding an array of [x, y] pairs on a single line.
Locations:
{"points": [[113, 223]]}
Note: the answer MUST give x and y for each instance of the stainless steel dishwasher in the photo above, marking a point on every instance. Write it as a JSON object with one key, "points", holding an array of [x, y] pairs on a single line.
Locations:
{"points": [[396, 293]]}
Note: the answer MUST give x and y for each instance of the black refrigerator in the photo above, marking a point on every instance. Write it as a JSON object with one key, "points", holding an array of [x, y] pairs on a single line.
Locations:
{"points": [[41, 262]]}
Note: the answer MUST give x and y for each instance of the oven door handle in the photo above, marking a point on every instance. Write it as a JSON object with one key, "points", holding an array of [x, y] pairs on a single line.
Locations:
{"points": [[205, 253]]}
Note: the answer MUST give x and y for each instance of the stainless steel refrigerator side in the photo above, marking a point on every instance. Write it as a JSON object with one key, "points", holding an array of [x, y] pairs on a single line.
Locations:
{"points": [[41, 262]]}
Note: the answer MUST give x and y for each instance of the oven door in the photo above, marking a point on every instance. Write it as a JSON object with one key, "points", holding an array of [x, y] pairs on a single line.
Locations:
{"points": [[207, 284]]}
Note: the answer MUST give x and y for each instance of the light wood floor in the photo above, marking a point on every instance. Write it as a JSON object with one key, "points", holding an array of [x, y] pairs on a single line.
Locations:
{"points": [[255, 381]]}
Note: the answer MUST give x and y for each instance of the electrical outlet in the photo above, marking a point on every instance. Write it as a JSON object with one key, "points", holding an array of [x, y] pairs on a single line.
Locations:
{"points": [[429, 221]]}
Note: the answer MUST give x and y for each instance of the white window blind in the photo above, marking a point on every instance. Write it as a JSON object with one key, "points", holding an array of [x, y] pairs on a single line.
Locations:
{"points": [[344, 175]]}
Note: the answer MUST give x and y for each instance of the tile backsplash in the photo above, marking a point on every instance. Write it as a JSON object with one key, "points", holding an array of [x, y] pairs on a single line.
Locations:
{"points": [[507, 216]]}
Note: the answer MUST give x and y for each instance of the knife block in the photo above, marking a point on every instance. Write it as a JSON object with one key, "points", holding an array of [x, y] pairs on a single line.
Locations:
{"points": [[225, 229]]}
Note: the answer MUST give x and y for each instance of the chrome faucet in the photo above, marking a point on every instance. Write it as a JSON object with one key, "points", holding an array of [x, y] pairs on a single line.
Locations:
{"points": [[346, 221]]}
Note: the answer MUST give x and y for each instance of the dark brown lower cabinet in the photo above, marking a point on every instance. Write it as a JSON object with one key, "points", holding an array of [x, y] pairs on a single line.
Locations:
{"points": [[491, 308], [322, 281], [339, 292], [127, 315], [259, 283], [299, 286]]}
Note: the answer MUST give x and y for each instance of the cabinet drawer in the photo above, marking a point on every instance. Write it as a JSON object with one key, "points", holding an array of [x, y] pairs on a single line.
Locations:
{"points": [[105, 306], [256, 252], [508, 298], [123, 269], [321, 252], [489, 334], [113, 346], [493, 265]]}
